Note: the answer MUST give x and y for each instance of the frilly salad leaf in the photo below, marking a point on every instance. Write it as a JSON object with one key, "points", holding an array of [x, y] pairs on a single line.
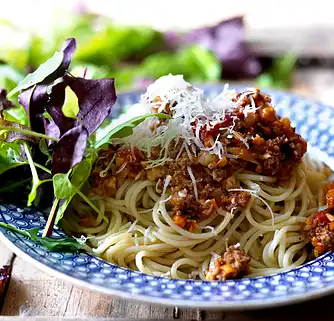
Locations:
{"points": [[126, 129], [52, 244]]}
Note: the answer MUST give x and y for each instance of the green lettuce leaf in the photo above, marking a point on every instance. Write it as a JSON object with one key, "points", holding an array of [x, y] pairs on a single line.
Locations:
{"points": [[53, 244], [126, 129], [10, 156]]}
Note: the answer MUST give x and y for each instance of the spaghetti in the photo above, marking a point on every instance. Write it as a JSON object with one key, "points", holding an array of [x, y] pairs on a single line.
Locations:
{"points": [[221, 190]]}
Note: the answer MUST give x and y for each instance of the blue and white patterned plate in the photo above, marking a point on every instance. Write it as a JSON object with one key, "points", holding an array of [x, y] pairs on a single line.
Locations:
{"points": [[313, 120]]}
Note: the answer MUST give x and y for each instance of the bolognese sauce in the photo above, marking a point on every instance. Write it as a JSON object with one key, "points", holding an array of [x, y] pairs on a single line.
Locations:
{"points": [[257, 140]]}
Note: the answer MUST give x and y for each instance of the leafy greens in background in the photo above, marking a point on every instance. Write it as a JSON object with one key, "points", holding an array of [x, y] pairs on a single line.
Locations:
{"points": [[280, 74], [59, 148], [136, 55]]}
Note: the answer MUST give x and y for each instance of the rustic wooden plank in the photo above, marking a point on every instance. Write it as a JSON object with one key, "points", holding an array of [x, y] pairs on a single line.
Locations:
{"points": [[32, 292]]}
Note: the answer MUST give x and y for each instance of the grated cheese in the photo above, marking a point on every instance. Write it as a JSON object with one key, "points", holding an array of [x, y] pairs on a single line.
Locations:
{"points": [[157, 186], [122, 167], [191, 113], [193, 180], [166, 183], [166, 199], [105, 171]]}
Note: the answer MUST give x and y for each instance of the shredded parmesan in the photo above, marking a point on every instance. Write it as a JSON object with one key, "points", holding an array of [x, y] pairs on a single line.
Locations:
{"points": [[166, 199], [166, 183], [322, 208], [122, 167], [157, 186], [191, 112], [105, 171], [180, 152], [193, 180], [243, 140], [187, 150]]}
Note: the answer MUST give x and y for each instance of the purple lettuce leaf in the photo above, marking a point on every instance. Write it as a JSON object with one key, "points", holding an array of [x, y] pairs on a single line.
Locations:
{"points": [[54, 108], [51, 129], [69, 150], [95, 98], [227, 41], [34, 100]]}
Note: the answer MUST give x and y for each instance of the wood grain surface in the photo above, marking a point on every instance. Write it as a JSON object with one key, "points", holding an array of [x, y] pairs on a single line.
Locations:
{"points": [[33, 293]]}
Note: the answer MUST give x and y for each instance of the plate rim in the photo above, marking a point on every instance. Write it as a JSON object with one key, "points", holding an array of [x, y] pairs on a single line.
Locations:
{"points": [[226, 306]]}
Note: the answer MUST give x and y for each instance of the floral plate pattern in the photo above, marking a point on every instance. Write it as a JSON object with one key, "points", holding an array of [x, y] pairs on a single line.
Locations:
{"points": [[314, 121]]}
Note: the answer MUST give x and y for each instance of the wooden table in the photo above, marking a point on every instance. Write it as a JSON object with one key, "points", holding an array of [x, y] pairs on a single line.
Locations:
{"points": [[34, 293]]}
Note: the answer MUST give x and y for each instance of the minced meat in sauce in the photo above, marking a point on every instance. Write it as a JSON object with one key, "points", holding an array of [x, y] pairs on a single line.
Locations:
{"points": [[259, 141], [319, 227], [233, 264]]}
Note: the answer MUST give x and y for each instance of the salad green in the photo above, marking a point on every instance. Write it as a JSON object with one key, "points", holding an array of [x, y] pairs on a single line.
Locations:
{"points": [[58, 149]]}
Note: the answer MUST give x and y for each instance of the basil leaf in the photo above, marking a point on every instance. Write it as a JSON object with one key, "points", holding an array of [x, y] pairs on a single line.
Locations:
{"points": [[44, 70], [10, 156], [52, 244], [126, 129]]}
